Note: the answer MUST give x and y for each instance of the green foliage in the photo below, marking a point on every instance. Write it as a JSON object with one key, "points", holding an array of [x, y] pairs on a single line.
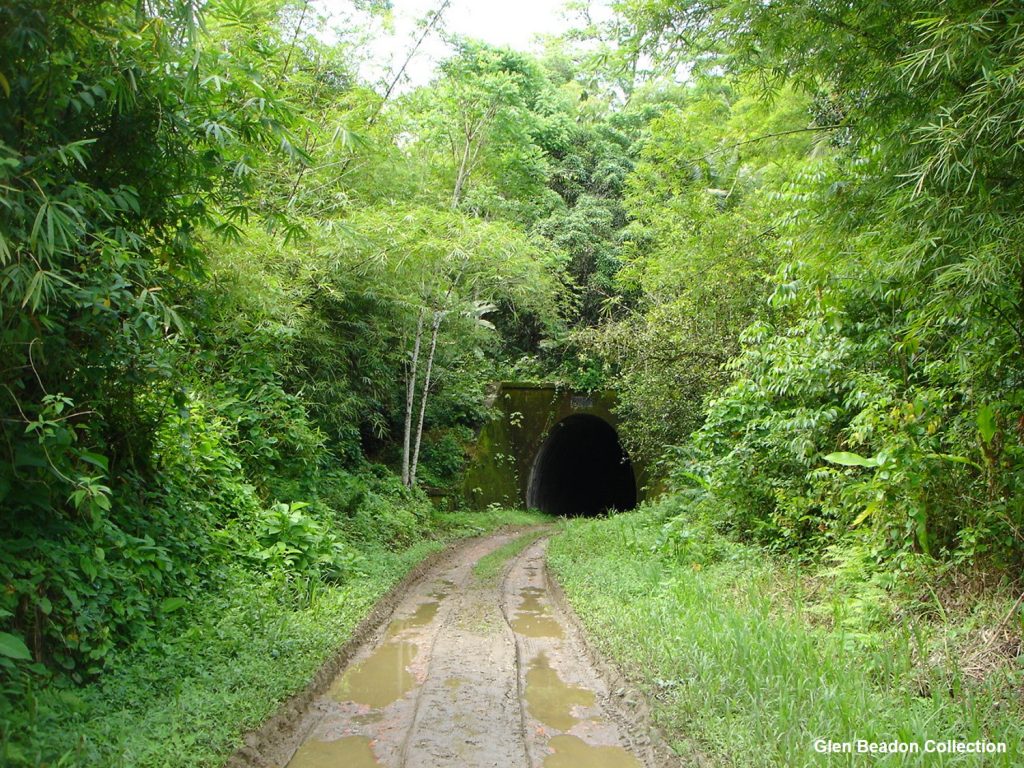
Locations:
{"points": [[291, 542], [879, 388], [589, 177], [124, 132], [487, 127], [701, 237], [386, 513], [489, 567], [688, 534], [91, 234], [444, 457], [747, 663], [13, 647], [184, 697]]}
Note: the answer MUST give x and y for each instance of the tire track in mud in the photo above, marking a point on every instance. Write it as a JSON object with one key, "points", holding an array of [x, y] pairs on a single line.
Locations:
{"points": [[569, 716], [472, 674]]}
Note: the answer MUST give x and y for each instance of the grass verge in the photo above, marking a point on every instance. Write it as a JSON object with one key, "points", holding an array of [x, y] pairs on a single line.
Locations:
{"points": [[489, 567], [187, 697], [736, 673]]}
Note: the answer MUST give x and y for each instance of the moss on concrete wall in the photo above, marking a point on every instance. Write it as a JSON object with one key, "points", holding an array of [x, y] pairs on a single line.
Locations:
{"points": [[501, 459]]}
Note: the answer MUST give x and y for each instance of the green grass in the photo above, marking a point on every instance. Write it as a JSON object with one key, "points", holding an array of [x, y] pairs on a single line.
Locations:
{"points": [[737, 674], [186, 698], [489, 567], [473, 523]]}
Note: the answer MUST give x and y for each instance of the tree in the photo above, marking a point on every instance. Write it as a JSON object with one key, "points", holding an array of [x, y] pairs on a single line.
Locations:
{"points": [[901, 261], [446, 271], [700, 242], [123, 135], [491, 116]]}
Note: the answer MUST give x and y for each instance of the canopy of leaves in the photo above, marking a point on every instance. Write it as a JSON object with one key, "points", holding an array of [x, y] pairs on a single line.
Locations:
{"points": [[787, 233], [895, 329], [207, 296]]}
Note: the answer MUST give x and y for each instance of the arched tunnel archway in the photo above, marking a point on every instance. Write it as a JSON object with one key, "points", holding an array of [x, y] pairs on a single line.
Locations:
{"points": [[581, 469]]}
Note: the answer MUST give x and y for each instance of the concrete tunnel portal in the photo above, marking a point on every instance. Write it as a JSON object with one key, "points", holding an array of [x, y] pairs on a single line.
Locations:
{"points": [[581, 469], [549, 447]]}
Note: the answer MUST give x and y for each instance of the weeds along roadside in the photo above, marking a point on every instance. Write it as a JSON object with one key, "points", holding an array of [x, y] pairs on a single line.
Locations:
{"points": [[184, 694], [748, 661]]}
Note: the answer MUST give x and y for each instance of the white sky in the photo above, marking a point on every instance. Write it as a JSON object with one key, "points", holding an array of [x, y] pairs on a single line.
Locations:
{"points": [[513, 23]]}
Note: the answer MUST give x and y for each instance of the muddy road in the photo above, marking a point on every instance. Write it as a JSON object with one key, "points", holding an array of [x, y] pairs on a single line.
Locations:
{"points": [[471, 673]]}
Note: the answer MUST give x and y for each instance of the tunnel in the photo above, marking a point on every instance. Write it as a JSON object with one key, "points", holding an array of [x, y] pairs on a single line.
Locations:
{"points": [[581, 469]]}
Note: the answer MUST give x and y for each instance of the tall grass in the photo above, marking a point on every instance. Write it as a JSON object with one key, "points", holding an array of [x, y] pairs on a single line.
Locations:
{"points": [[187, 696], [736, 674]]}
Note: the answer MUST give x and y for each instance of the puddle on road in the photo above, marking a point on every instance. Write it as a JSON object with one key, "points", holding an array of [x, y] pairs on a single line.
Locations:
{"points": [[533, 619], [536, 626], [573, 752], [532, 604], [551, 700], [441, 590], [350, 751], [424, 614], [371, 717], [379, 680]]}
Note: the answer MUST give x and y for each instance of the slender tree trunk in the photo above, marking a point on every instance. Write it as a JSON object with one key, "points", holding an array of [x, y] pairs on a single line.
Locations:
{"points": [[410, 396], [460, 177], [426, 391], [475, 139]]}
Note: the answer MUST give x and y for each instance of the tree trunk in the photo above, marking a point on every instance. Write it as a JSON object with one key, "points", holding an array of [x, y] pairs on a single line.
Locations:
{"points": [[460, 177], [410, 396], [426, 391]]}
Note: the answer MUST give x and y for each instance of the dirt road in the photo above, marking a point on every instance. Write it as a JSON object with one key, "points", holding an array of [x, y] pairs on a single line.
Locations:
{"points": [[472, 674]]}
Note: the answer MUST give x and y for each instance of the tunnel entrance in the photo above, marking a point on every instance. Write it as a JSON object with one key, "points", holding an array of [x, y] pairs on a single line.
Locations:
{"points": [[581, 469]]}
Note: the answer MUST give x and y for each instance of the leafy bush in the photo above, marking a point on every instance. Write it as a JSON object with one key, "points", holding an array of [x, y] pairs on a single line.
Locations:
{"points": [[880, 388], [294, 544], [389, 514], [444, 457], [687, 532]]}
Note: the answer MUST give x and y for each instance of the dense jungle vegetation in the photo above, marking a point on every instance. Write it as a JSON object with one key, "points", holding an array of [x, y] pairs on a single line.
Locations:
{"points": [[250, 305]]}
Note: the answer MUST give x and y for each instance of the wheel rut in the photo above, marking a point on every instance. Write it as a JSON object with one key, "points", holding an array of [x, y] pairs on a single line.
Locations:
{"points": [[471, 674]]}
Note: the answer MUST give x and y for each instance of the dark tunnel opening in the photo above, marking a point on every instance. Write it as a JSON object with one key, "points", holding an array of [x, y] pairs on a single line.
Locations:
{"points": [[581, 469]]}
